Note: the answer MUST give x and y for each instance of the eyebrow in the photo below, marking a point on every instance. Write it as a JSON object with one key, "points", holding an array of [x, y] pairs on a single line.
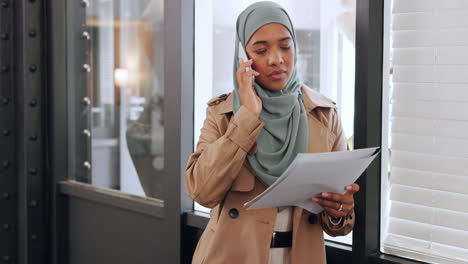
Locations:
{"points": [[265, 42]]}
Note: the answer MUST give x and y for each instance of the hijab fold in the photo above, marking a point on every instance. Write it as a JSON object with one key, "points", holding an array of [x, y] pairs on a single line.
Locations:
{"points": [[285, 133]]}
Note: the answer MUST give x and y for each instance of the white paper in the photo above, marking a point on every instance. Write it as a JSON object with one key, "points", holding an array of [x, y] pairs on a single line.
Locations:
{"points": [[311, 174]]}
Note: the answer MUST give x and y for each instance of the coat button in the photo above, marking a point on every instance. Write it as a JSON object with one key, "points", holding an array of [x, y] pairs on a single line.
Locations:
{"points": [[233, 213], [312, 219]]}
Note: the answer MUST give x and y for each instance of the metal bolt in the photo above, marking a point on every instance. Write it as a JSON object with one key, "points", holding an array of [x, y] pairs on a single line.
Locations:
{"points": [[6, 164], [34, 203], [86, 68], [6, 196], [5, 100], [33, 138], [6, 132], [33, 103], [85, 35], [5, 68], [33, 171], [32, 33], [86, 101], [32, 68], [6, 258], [84, 3], [5, 36], [4, 4], [87, 164], [33, 237], [6, 226], [87, 132]]}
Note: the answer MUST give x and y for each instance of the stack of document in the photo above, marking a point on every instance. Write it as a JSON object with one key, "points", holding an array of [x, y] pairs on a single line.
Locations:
{"points": [[311, 174]]}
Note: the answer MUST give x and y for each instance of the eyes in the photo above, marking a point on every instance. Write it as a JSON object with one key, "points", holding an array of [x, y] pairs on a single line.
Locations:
{"points": [[263, 51]]}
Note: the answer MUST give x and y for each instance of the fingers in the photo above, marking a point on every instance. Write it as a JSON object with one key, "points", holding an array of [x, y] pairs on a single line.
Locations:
{"points": [[252, 73], [326, 203], [334, 197], [352, 189], [334, 212], [243, 65], [333, 207], [244, 78], [331, 202], [339, 198]]}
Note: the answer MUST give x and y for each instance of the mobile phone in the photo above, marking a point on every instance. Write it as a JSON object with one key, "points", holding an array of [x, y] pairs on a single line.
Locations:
{"points": [[243, 55]]}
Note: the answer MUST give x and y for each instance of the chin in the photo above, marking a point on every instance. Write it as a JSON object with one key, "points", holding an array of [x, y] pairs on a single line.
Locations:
{"points": [[275, 86]]}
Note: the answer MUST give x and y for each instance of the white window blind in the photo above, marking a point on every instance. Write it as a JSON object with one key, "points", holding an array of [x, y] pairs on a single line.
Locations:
{"points": [[426, 213]]}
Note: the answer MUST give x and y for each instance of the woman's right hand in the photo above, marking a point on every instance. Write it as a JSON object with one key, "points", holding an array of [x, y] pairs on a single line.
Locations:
{"points": [[247, 94]]}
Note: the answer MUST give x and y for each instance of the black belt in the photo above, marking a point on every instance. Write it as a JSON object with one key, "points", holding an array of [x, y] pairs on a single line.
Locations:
{"points": [[281, 240]]}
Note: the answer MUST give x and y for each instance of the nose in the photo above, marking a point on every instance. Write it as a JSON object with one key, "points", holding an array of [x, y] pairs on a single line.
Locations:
{"points": [[275, 58]]}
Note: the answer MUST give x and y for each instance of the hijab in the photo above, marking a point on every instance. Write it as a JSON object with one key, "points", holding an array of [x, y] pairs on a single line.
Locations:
{"points": [[285, 133]]}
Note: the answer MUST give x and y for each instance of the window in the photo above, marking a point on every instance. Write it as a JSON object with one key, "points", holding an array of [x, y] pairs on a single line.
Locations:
{"points": [[116, 130], [326, 53], [425, 178]]}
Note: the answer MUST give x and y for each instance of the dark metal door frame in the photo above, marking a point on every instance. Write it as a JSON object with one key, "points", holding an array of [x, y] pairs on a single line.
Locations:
{"points": [[23, 177], [8, 137]]}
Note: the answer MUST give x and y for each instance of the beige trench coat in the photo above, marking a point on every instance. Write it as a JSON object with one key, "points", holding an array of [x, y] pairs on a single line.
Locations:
{"points": [[218, 176]]}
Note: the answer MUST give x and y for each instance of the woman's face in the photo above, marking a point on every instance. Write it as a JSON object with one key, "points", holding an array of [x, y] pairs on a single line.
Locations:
{"points": [[272, 50]]}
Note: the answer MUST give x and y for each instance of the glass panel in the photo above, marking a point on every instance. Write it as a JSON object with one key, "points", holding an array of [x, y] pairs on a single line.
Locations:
{"points": [[125, 86], [325, 32]]}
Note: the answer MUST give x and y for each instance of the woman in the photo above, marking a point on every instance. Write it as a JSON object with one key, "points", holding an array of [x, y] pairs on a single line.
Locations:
{"points": [[250, 137]]}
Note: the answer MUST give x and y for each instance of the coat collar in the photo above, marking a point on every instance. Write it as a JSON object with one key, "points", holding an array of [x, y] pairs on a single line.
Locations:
{"points": [[312, 100]]}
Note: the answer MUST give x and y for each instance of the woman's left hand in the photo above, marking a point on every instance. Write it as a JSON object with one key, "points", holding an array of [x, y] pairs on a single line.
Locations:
{"points": [[338, 205]]}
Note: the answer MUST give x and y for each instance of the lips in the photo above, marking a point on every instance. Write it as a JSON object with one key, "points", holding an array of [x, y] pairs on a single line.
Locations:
{"points": [[277, 75]]}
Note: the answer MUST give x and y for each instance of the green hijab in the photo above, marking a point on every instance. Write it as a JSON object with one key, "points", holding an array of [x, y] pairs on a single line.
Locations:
{"points": [[285, 133]]}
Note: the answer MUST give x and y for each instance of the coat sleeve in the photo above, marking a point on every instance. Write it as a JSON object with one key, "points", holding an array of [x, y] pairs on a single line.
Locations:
{"points": [[340, 144], [218, 158]]}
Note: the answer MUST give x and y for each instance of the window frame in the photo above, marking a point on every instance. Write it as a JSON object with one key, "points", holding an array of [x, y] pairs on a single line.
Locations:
{"points": [[66, 71]]}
